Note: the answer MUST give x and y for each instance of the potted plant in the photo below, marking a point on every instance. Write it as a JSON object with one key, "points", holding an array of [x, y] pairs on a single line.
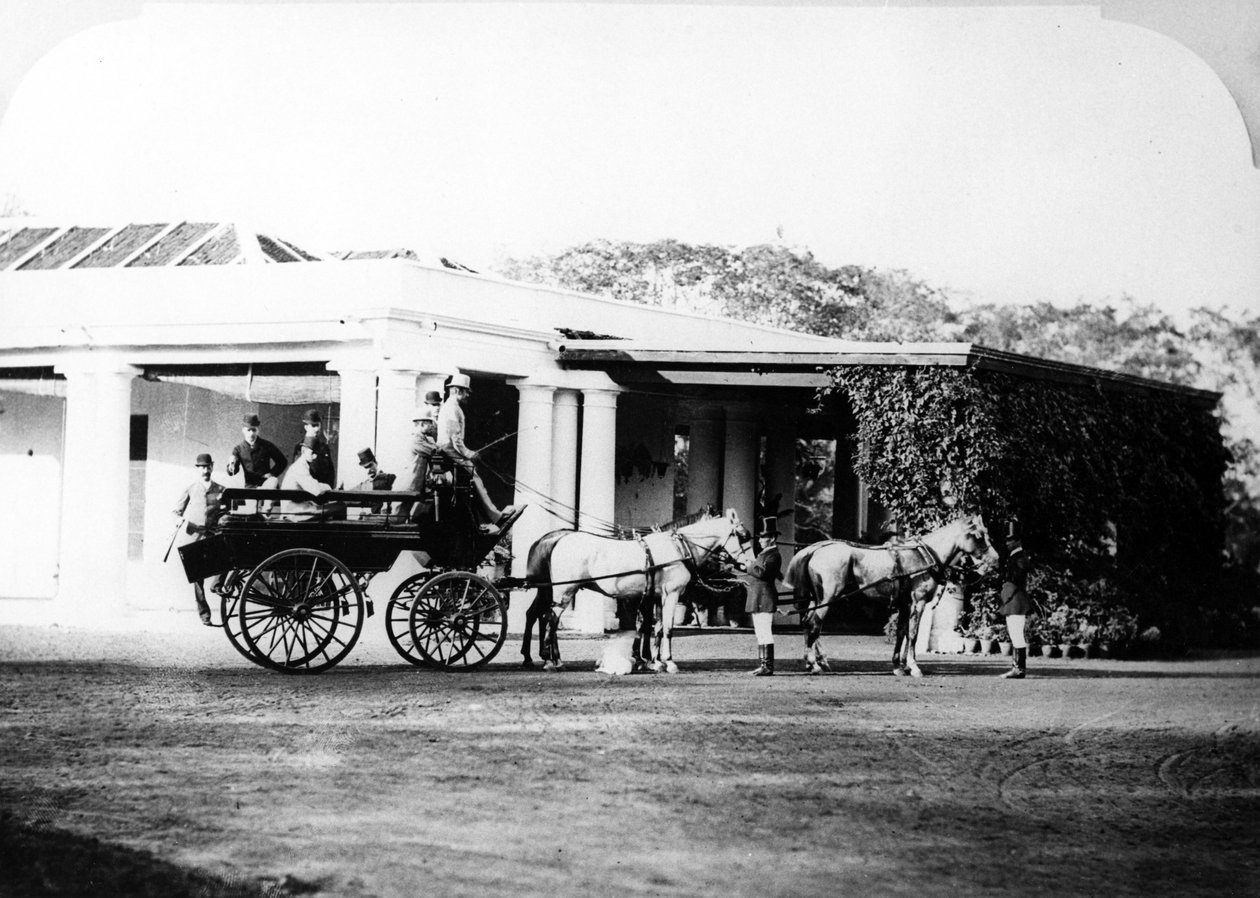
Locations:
{"points": [[1003, 638], [1117, 631]]}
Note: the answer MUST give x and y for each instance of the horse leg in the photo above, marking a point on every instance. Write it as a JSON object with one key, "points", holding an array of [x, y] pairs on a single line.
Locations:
{"points": [[899, 638], [644, 634], [553, 662], [531, 617], [816, 661], [664, 627], [912, 635]]}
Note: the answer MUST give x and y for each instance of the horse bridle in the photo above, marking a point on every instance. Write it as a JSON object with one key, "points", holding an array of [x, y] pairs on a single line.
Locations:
{"points": [[719, 551], [939, 568]]}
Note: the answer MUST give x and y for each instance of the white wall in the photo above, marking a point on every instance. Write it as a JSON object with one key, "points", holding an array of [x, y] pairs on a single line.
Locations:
{"points": [[30, 481]]}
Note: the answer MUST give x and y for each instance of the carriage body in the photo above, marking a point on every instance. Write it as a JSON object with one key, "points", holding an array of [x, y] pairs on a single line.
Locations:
{"points": [[294, 591]]}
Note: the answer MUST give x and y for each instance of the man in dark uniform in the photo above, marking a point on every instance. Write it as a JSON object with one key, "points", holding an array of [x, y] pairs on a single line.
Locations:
{"points": [[199, 508], [321, 468], [376, 478], [261, 461], [1016, 604], [760, 579]]}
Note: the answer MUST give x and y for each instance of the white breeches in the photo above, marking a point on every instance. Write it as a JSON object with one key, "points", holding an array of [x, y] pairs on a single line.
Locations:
{"points": [[1015, 626], [763, 626]]}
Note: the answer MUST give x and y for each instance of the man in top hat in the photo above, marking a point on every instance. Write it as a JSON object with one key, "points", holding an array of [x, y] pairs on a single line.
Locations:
{"points": [[322, 469], [451, 441], [763, 594], [260, 460], [376, 478], [199, 508], [1016, 603], [300, 476]]}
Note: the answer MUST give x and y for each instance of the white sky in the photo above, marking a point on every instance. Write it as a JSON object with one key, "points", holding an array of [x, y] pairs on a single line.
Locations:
{"points": [[1014, 154]]}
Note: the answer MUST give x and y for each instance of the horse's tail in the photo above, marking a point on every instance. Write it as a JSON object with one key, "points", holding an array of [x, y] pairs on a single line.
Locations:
{"points": [[798, 577], [538, 567]]}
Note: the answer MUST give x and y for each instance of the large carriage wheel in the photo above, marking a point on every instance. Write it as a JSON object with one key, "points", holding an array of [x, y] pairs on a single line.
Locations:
{"points": [[301, 611], [458, 620], [229, 610], [398, 618]]}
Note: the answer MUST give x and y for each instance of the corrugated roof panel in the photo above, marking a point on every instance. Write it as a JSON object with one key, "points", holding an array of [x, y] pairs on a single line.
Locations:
{"points": [[173, 245], [120, 246], [274, 250], [21, 243], [61, 250], [221, 249]]}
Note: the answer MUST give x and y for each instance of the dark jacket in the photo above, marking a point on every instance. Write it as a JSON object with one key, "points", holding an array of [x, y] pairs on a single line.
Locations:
{"points": [[322, 468], [1015, 583], [760, 579], [259, 461]]}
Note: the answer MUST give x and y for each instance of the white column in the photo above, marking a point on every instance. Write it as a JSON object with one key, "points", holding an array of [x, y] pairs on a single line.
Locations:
{"points": [[357, 423], [564, 458], [396, 401], [533, 468], [598, 484], [704, 459], [597, 490], [739, 464], [96, 481]]}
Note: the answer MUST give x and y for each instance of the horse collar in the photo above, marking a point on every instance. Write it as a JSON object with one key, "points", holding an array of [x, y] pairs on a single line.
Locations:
{"points": [[936, 566], [685, 550]]}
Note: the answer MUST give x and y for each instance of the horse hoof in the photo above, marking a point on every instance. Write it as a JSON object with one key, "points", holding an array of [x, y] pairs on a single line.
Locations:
{"points": [[824, 666], [527, 663], [553, 666], [915, 672], [898, 672], [657, 666], [671, 667]]}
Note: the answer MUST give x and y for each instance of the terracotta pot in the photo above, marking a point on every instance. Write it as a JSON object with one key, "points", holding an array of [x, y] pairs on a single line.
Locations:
{"points": [[986, 646], [1004, 648], [1065, 650]]}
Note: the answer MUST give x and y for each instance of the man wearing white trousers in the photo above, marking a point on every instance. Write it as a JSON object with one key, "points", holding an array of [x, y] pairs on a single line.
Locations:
{"points": [[1016, 604], [763, 594]]}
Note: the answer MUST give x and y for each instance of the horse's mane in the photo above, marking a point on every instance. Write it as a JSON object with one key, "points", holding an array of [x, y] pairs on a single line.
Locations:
{"points": [[685, 521]]}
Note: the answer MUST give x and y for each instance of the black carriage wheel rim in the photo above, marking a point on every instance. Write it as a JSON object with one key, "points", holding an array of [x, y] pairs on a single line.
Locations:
{"points": [[449, 621], [295, 608], [398, 619]]}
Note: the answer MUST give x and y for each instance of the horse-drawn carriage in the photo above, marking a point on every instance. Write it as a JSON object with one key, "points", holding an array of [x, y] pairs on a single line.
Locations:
{"points": [[294, 591]]}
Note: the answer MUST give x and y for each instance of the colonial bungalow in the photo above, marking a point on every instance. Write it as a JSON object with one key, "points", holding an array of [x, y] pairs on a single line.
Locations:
{"points": [[127, 350]]}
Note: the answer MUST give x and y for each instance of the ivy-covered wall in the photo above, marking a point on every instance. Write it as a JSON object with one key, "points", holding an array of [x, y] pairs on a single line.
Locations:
{"points": [[1117, 494]]}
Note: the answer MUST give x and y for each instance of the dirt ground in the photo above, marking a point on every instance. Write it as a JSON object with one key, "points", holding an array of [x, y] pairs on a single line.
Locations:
{"points": [[156, 761]]}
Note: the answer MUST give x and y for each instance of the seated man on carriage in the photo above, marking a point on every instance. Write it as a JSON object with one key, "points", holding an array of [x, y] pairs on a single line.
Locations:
{"points": [[300, 476], [450, 440]]}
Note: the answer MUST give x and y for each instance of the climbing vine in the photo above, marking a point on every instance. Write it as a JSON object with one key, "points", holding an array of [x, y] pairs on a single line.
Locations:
{"points": [[1113, 487]]}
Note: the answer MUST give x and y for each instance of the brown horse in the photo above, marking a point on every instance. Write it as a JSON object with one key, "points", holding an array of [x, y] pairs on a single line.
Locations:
{"points": [[659, 564], [908, 573]]}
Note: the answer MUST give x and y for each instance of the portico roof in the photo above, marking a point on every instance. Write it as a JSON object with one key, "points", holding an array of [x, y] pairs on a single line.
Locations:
{"points": [[630, 363]]}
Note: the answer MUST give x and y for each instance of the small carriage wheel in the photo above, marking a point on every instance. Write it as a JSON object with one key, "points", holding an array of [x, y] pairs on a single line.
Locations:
{"points": [[300, 611], [458, 620], [229, 609], [398, 618]]}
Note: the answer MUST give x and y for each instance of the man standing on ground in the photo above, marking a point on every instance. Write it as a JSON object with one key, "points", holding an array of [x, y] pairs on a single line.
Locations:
{"points": [[199, 508]]}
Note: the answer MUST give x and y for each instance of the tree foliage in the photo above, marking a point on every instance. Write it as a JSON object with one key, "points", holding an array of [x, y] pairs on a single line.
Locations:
{"points": [[771, 285], [1106, 485]]}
